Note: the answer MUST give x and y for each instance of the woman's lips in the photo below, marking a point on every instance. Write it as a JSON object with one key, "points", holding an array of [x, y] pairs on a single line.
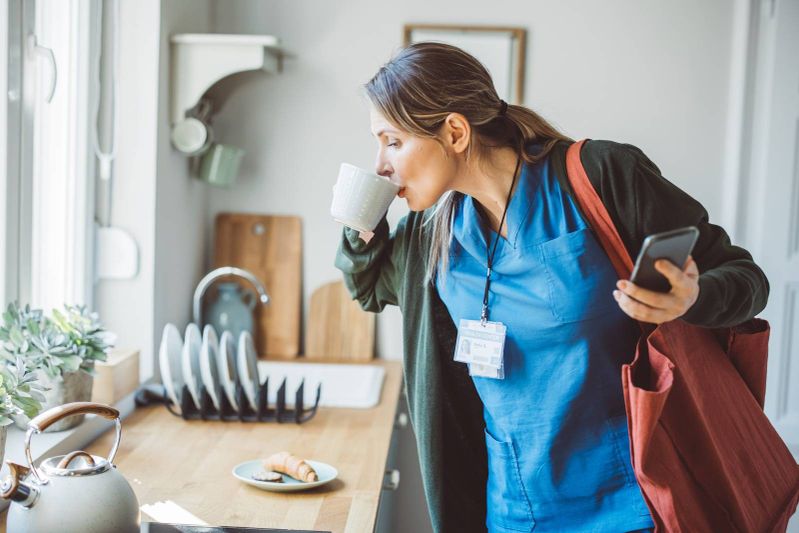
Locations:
{"points": [[401, 192]]}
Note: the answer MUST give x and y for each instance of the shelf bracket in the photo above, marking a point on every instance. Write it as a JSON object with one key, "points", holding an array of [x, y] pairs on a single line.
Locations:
{"points": [[201, 60]]}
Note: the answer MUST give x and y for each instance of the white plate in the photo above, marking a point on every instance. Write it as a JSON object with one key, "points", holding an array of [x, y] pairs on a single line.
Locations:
{"points": [[247, 365], [226, 359], [324, 471], [209, 370], [190, 361], [169, 363]]}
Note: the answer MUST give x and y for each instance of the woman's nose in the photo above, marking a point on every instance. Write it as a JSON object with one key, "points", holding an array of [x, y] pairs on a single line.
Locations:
{"points": [[383, 169]]}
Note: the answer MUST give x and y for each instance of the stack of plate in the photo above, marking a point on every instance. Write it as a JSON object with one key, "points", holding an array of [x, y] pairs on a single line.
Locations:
{"points": [[203, 359]]}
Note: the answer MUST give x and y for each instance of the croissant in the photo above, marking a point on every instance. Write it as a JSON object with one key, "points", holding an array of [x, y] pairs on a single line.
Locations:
{"points": [[291, 465]]}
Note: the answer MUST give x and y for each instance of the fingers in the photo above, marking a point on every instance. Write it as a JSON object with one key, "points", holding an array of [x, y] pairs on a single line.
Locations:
{"points": [[657, 300], [690, 268], [657, 307], [671, 271], [641, 311]]}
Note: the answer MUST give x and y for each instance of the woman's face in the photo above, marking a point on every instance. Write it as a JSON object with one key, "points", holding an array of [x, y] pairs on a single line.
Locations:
{"points": [[420, 165]]}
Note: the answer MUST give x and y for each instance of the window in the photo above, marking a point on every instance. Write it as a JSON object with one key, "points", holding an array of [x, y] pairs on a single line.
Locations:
{"points": [[50, 165]]}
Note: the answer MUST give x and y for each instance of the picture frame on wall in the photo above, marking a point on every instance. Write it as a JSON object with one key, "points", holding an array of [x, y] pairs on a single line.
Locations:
{"points": [[500, 49]]}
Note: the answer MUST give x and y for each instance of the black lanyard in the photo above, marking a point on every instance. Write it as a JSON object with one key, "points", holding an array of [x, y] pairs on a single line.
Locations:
{"points": [[490, 256]]}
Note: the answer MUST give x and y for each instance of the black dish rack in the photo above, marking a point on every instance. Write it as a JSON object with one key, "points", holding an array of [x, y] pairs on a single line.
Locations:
{"points": [[227, 413]]}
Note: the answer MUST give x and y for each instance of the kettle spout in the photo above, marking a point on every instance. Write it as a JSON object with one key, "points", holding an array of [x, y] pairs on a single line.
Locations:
{"points": [[15, 490]]}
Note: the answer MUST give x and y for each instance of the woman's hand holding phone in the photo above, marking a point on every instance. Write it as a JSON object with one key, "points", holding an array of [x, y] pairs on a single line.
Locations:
{"points": [[659, 307]]}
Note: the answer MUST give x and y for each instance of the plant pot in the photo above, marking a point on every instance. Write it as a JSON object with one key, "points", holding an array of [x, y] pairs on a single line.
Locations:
{"points": [[70, 387], [3, 433]]}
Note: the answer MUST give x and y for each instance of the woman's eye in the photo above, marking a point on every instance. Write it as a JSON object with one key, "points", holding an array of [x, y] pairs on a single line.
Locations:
{"points": [[393, 143]]}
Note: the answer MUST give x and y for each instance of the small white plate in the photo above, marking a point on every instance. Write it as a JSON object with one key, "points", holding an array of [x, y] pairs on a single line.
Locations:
{"points": [[247, 366], [169, 363], [226, 358], [324, 472], [209, 370], [190, 361]]}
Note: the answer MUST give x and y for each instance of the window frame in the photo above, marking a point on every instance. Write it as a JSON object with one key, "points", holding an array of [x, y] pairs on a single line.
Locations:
{"points": [[49, 259]]}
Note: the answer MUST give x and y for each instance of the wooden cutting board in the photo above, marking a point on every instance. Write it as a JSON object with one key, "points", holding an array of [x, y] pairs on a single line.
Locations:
{"points": [[338, 329], [270, 247]]}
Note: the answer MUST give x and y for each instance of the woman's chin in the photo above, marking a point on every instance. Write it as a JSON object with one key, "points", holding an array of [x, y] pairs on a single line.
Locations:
{"points": [[415, 205]]}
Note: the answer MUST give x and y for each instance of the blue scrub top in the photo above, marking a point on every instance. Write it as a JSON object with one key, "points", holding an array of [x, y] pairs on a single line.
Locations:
{"points": [[556, 428]]}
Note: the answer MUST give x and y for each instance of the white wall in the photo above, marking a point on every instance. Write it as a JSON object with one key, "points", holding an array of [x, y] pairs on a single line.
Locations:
{"points": [[651, 73], [126, 306], [154, 197]]}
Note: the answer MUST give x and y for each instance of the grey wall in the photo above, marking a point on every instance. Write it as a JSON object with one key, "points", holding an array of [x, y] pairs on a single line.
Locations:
{"points": [[181, 200]]}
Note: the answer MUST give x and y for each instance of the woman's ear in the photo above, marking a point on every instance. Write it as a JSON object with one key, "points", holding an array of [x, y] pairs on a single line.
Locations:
{"points": [[457, 133]]}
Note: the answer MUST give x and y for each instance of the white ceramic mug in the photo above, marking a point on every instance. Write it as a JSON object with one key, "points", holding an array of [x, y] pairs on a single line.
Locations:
{"points": [[361, 198], [192, 136]]}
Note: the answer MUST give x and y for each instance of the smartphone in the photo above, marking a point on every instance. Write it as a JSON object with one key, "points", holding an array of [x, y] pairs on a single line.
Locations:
{"points": [[675, 245]]}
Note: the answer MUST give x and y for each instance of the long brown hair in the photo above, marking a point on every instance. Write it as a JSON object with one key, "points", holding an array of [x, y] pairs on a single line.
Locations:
{"points": [[425, 82]]}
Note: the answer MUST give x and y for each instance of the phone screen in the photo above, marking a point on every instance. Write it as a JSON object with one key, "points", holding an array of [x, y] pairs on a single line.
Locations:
{"points": [[675, 246]]}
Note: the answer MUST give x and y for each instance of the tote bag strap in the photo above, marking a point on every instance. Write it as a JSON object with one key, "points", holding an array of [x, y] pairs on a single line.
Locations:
{"points": [[598, 216]]}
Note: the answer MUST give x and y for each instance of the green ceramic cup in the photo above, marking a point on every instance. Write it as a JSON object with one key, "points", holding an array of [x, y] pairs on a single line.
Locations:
{"points": [[220, 165]]}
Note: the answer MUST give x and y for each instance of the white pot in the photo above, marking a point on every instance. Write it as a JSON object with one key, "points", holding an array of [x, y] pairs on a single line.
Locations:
{"points": [[68, 388], [3, 433]]}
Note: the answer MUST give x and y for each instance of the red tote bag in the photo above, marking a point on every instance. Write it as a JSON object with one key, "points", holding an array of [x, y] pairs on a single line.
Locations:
{"points": [[704, 453]]}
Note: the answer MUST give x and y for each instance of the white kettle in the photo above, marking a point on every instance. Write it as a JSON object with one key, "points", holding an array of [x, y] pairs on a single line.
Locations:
{"points": [[77, 492]]}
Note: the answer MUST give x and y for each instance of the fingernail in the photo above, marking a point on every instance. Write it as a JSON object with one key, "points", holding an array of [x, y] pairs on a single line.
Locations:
{"points": [[616, 294], [621, 284]]}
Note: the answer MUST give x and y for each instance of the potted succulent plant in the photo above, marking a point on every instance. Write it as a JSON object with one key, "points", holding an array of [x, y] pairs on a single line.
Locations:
{"points": [[61, 350], [19, 395]]}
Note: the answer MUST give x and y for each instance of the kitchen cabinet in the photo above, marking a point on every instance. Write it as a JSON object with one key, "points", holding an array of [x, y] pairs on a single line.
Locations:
{"points": [[387, 506], [189, 463]]}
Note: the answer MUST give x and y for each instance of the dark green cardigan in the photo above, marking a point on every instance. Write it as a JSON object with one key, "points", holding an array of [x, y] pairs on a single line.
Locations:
{"points": [[445, 410]]}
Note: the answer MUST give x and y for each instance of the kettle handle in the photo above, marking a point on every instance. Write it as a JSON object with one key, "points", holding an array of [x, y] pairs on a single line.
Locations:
{"points": [[53, 415], [64, 463]]}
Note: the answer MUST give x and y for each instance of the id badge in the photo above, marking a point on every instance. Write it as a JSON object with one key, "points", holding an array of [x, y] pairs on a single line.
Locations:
{"points": [[482, 347], [486, 371]]}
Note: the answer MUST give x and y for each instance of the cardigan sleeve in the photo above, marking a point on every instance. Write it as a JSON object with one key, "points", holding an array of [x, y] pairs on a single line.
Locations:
{"points": [[732, 288], [370, 269]]}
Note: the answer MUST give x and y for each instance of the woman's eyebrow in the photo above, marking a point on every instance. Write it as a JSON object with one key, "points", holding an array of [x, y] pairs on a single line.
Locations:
{"points": [[384, 130]]}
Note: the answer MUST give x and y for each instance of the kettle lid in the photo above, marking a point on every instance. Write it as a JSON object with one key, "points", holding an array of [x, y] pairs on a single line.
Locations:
{"points": [[77, 463]]}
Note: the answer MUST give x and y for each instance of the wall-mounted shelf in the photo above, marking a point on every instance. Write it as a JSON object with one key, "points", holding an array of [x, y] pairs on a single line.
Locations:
{"points": [[199, 60]]}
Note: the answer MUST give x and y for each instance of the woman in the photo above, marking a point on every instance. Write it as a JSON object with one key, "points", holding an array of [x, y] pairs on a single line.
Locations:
{"points": [[541, 443]]}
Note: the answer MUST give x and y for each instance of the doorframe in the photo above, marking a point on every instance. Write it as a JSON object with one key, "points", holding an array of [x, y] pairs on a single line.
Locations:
{"points": [[747, 154], [751, 84]]}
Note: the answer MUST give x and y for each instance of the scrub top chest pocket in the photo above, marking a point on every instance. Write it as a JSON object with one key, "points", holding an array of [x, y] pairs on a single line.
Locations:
{"points": [[580, 277]]}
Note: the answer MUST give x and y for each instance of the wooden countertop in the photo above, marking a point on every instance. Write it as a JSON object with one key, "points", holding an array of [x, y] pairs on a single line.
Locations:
{"points": [[190, 462]]}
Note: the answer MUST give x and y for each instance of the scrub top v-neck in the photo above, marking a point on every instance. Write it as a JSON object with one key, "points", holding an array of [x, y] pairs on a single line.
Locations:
{"points": [[556, 429]]}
